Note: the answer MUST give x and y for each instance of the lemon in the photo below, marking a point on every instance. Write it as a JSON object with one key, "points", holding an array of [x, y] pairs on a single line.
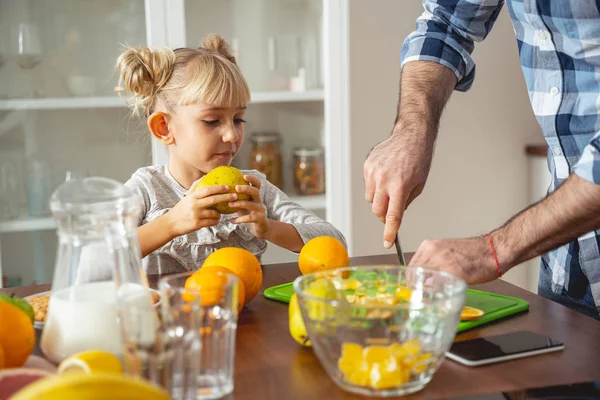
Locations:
{"points": [[229, 176], [91, 362], [91, 387], [470, 313]]}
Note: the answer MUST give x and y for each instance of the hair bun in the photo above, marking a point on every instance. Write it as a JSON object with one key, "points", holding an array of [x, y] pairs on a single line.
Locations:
{"points": [[220, 45], [143, 71]]}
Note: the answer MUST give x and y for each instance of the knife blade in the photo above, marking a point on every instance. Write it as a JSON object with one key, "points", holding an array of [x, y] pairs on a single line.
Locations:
{"points": [[399, 250]]}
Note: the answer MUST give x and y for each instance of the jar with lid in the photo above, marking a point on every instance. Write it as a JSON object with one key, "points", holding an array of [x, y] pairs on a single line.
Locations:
{"points": [[309, 171], [265, 156]]}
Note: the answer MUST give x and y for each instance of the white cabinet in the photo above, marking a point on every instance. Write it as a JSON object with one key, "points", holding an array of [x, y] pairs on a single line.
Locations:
{"points": [[59, 114]]}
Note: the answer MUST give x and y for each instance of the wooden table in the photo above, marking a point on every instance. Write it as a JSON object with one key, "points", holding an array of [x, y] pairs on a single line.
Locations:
{"points": [[270, 365]]}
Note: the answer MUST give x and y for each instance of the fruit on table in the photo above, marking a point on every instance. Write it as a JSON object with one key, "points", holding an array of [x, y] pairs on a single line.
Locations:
{"points": [[470, 313], [242, 263], [382, 367], [317, 310], [210, 282], [322, 289], [22, 304], [17, 335], [321, 254], [14, 379], [229, 176], [91, 362], [91, 387], [297, 327]]}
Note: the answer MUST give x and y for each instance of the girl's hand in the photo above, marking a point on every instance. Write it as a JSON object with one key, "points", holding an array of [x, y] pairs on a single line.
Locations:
{"points": [[192, 213], [252, 212]]}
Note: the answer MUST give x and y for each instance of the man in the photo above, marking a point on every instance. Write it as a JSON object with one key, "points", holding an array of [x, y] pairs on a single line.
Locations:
{"points": [[559, 45]]}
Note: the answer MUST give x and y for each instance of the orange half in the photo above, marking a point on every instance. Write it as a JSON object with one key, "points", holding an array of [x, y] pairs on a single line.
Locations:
{"points": [[470, 313]]}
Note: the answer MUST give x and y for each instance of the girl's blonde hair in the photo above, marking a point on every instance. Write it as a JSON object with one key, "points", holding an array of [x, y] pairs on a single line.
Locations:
{"points": [[165, 77]]}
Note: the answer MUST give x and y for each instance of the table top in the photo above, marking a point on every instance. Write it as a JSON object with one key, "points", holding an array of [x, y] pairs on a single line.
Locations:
{"points": [[271, 365]]}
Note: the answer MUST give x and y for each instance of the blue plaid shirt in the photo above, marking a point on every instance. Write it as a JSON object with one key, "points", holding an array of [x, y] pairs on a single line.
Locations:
{"points": [[559, 48]]}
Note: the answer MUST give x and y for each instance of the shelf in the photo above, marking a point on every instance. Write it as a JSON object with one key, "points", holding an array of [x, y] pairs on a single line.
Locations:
{"points": [[41, 224], [63, 103], [117, 102], [289, 97], [27, 224], [316, 202]]}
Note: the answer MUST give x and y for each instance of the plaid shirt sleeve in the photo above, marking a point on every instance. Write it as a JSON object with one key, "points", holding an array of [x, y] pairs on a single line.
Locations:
{"points": [[588, 166], [446, 32]]}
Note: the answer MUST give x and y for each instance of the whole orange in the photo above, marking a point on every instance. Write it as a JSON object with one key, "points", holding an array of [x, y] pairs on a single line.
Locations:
{"points": [[210, 282], [17, 336], [242, 263], [322, 253]]}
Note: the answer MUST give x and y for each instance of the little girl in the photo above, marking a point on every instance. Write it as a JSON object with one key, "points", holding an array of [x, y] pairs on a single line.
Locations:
{"points": [[195, 101]]}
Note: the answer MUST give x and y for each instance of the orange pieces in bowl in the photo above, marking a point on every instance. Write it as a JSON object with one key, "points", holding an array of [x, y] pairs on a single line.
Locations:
{"points": [[470, 313], [382, 367]]}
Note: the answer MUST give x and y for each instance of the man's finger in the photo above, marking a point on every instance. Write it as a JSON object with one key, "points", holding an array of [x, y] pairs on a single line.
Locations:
{"points": [[380, 205], [414, 194], [416, 259], [393, 219]]}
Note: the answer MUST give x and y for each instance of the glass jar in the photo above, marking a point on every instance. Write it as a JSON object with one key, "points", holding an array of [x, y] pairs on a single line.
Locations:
{"points": [[265, 156], [309, 171]]}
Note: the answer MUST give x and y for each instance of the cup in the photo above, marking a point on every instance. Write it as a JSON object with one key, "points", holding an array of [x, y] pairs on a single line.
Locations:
{"points": [[191, 346]]}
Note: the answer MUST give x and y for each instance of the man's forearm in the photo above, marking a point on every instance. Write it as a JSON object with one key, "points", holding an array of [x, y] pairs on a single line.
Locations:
{"points": [[425, 88], [569, 212]]}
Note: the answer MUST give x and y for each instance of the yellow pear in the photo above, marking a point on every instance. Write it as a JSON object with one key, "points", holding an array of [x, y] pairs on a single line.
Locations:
{"points": [[297, 328], [229, 176]]}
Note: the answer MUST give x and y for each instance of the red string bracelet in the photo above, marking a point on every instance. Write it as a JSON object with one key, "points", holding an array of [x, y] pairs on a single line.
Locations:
{"points": [[494, 254]]}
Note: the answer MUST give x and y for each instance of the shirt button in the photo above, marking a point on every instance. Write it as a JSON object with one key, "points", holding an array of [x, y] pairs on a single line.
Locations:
{"points": [[543, 35], [554, 91], [557, 151]]}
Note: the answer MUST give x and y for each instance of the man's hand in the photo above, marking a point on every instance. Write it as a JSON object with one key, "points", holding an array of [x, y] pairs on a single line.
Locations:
{"points": [[471, 259], [395, 174], [396, 170], [566, 214]]}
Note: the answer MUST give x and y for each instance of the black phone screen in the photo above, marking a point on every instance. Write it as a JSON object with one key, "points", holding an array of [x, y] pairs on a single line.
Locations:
{"points": [[502, 345]]}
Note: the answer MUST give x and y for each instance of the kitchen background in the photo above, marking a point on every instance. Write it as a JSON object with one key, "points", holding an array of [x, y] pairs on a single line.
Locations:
{"points": [[323, 76]]}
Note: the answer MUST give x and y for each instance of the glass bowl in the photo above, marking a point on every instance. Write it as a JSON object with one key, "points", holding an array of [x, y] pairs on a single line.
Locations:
{"points": [[380, 330]]}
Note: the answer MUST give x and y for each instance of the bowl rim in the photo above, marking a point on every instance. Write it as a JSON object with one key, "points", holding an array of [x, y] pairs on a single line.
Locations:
{"points": [[460, 289]]}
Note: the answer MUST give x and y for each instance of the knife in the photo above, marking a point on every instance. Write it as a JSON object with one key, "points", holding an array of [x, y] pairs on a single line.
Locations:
{"points": [[399, 250]]}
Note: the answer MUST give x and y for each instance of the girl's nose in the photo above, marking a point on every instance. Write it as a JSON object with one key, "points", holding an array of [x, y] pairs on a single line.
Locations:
{"points": [[230, 135]]}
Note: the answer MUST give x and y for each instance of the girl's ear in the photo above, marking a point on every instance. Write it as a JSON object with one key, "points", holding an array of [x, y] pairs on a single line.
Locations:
{"points": [[158, 125]]}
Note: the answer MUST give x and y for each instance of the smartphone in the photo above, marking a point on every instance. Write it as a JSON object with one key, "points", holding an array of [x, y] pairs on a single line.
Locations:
{"points": [[509, 346]]}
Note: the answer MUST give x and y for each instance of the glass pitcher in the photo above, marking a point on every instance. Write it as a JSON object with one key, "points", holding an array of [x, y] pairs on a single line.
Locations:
{"points": [[98, 267]]}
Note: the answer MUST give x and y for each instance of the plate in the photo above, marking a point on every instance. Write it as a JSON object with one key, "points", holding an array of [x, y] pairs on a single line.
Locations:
{"points": [[40, 325]]}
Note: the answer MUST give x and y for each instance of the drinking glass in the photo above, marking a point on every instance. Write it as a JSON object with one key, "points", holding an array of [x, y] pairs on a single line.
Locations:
{"points": [[29, 50], [188, 344]]}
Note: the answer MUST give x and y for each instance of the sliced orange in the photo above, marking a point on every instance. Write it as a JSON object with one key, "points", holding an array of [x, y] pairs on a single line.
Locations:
{"points": [[383, 367], [470, 313]]}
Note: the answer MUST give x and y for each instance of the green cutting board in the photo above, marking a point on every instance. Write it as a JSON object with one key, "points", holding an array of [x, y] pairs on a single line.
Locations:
{"points": [[495, 306]]}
